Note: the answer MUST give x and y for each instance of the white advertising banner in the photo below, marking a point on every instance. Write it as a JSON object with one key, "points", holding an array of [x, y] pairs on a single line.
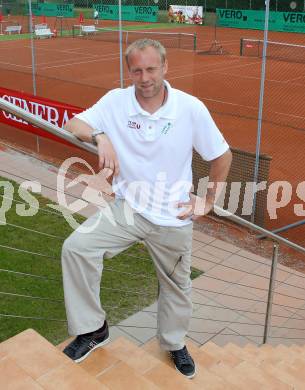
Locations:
{"points": [[191, 14]]}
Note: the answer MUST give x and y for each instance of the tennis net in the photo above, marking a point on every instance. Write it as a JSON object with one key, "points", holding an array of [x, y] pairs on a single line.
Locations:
{"points": [[179, 40], [275, 50]]}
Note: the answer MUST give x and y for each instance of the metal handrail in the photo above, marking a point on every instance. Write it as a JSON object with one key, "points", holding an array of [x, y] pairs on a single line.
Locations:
{"points": [[285, 228], [252, 226], [49, 127]]}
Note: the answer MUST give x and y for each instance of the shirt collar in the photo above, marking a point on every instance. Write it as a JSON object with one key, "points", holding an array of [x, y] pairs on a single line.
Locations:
{"points": [[167, 111]]}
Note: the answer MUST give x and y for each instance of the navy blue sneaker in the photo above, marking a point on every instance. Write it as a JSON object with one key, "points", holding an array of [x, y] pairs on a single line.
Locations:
{"points": [[81, 347], [184, 362]]}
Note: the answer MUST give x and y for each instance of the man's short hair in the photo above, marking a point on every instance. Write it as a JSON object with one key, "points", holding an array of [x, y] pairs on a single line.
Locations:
{"points": [[141, 44]]}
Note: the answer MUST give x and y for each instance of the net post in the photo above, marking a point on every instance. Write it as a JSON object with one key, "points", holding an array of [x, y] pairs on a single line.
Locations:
{"points": [[195, 42], [241, 46]]}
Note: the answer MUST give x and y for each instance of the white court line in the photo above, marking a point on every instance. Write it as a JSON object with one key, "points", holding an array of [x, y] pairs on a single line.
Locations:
{"points": [[38, 49], [297, 78], [55, 66], [80, 62], [258, 78], [251, 107], [11, 64], [62, 61], [214, 70]]}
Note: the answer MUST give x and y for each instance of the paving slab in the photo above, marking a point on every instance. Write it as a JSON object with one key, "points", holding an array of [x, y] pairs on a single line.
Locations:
{"points": [[226, 246], [201, 264], [116, 332], [141, 326], [226, 274], [241, 263], [216, 252], [253, 256], [223, 338], [202, 237], [207, 283]]}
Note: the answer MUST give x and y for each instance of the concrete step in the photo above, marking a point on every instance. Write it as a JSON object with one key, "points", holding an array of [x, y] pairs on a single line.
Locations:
{"points": [[168, 378], [121, 377], [33, 353], [234, 378], [14, 377], [28, 361], [289, 353], [294, 370], [136, 358], [253, 356], [297, 348], [153, 348], [282, 372], [99, 361], [31, 358], [220, 354], [203, 360], [251, 364], [261, 377]]}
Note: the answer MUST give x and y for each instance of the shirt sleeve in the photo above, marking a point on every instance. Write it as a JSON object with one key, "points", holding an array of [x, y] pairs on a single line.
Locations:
{"points": [[95, 116], [208, 141]]}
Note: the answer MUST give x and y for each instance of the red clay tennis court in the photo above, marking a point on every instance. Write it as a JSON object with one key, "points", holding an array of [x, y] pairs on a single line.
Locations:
{"points": [[78, 71]]}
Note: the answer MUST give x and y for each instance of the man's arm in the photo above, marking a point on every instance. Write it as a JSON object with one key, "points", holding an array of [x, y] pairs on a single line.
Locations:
{"points": [[219, 169], [80, 129], [106, 153], [197, 207]]}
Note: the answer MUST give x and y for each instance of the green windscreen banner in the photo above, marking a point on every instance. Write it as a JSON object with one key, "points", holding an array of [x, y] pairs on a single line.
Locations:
{"points": [[52, 9], [133, 13], [246, 19]]}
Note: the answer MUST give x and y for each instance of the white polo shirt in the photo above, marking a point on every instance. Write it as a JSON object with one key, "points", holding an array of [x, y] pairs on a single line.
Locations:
{"points": [[155, 150]]}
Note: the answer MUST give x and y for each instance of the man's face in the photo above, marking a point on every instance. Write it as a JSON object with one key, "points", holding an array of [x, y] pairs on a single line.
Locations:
{"points": [[146, 71]]}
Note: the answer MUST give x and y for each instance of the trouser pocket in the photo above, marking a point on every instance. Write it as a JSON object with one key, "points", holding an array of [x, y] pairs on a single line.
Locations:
{"points": [[181, 271]]}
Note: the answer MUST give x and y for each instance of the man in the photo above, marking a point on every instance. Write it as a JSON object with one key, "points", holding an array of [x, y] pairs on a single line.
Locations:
{"points": [[145, 134], [95, 16], [170, 15]]}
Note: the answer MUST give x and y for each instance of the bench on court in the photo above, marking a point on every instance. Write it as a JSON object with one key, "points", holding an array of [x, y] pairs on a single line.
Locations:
{"points": [[40, 26], [88, 29], [43, 33], [13, 29]]}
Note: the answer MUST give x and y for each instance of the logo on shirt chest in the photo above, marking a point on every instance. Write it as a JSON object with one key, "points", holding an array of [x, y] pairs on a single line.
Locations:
{"points": [[134, 125], [166, 128]]}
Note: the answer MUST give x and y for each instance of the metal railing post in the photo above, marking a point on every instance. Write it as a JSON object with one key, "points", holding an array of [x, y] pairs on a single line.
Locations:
{"points": [[33, 54], [270, 293], [260, 108]]}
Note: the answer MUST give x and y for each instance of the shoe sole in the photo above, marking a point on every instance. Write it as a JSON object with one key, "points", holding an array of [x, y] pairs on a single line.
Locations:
{"points": [[186, 376], [102, 344]]}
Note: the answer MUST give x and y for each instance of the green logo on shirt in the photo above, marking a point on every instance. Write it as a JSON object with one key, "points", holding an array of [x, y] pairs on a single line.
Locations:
{"points": [[166, 128]]}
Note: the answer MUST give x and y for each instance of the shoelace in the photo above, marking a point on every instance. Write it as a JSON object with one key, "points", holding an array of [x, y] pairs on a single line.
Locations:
{"points": [[182, 356], [79, 341]]}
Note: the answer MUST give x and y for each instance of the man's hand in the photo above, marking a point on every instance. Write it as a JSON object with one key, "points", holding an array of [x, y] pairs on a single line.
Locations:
{"points": [[106, 152], [196, 208], [107, 155]]}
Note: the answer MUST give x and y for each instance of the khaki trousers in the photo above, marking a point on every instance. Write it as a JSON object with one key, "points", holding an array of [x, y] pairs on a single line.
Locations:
{"points": [[82, 265]]}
